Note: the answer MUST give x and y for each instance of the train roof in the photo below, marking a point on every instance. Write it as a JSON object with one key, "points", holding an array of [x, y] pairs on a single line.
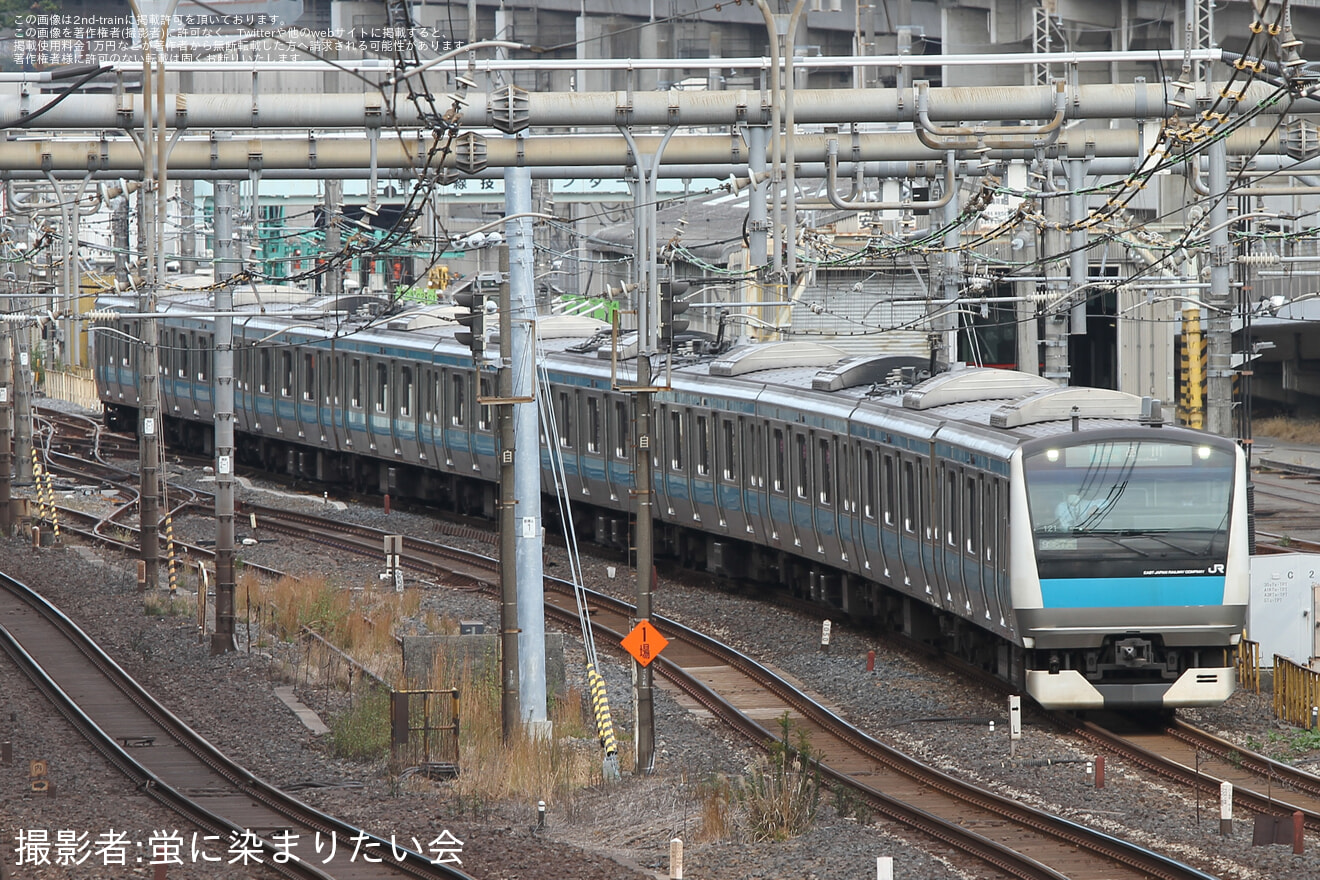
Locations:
{"points": [[993, 408]]}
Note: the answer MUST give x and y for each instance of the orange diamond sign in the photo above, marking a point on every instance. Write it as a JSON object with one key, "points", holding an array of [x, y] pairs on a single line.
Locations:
{"points": [[645, 642]]}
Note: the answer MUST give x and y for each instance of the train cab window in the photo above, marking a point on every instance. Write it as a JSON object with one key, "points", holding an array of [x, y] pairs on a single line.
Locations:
{"points": [[703, 445], [355, 389], [406, 392], [593, 425], [676, 439], [286, 374], [778, 460], [826, 465], [622, 421], [264, 379], [382, 388], [868, 484], [486, 414], [565, 418], [457, 400], [909, 497], [729, 449], [181, 365], [309, 377], [803, 464]]}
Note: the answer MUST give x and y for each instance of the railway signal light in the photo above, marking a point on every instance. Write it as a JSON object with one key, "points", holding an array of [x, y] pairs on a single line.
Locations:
{"points": [[670, 308], [474, 337]]}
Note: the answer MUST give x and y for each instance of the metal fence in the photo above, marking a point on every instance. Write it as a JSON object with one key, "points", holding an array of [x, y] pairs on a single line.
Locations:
{"points": [[1296, 691]]}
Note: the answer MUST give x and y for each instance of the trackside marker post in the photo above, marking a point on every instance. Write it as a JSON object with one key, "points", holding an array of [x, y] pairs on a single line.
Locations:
{"points": [[825, 637], [1226, 808], [884, 868], [1014, 723], [676, 859]]}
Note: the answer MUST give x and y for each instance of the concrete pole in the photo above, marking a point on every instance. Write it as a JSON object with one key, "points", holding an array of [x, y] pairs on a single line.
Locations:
{"points": [[510, 690], [1219, 369], [948, 324], [758, 222], [22, 333], [187, 204], [149, 425], [225, 266], [119, 237], [1056, 341], [527, 467], [6, 430], [1078, 265], [334, 202]]}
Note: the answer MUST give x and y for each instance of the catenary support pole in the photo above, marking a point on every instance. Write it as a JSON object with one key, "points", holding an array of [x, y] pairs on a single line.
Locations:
{"points": [[527, 467], [1219, 367], [510, 711], [225, 266], [6, 430]]}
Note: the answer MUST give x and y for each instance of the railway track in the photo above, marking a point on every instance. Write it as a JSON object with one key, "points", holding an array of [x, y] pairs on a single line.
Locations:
{"points": [[178, 768], [1016, 840], [1192, 757]]}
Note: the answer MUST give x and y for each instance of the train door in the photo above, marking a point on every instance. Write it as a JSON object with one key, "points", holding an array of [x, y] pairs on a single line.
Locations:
{"points": [[181, 382], [995, 551], [949, 536], [203, 393], [705, 503], [755, 502], [867, 539], [406, 412], [831, 498], [802, 504], [286, 407], [432, 422], [458, 438], [355, 414], [324, 402], [908, 526], [305, 407], [593, 453], [482, 437], [264, 394], [675, 465], [379, 401], [565, 431], [618, 463], [778, 512], [729, 464]]}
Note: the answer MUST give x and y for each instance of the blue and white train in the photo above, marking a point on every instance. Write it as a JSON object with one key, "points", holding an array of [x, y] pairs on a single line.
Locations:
{"points": [[1065, 538]]}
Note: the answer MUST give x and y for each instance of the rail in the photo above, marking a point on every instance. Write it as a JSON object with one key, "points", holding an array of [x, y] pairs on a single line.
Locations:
{"points": [[1296, 691]]}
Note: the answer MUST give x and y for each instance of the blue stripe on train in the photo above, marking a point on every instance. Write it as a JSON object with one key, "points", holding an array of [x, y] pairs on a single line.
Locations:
{"points": [[1131, 592]]}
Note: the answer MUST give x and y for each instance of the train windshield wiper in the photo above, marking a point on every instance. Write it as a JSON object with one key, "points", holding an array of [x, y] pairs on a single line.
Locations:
{"points": [[1113, 537]]}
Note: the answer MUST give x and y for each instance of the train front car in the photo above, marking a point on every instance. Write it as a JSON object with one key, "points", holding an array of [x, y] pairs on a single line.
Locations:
{"points": [[1130, 577]]}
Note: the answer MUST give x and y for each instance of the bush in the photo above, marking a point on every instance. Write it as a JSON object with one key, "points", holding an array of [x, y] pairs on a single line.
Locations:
{"points": [[781, 794], [363, 732]]}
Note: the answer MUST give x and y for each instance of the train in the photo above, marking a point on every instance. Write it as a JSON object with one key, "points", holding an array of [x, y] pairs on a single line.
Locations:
{"points": [[1069, 540]]}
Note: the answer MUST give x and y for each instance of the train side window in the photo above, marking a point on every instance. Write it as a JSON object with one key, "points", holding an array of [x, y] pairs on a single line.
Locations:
{"points": [[593, 425], [826, 465], [309, 377], [182, 366], [972, 498], [951, 508], [803, 457], [382, 388], [286, 374], [622, 421], [433, 398], [778, 453], [909, 497], [486, 413], [203, 359], [565, 416], [355, 387], [406, 392], [263, 383], [991, 519], [676, 439], [457, 401], [868, 484], [730, 449], [703, 445]]}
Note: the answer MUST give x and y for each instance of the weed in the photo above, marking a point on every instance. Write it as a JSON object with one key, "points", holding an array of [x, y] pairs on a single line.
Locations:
{"points": [[716, 797], [781, 793], [363, 732], [165, 605], [849, 804]]}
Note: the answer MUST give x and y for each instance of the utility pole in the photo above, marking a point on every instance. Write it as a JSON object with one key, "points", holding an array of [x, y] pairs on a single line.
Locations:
{"points": [[1056, 340], [119, 234], [149, 365], [187, 203], [334, 201], [223, 638], [510, 705], [22, 335], [1078, 265], [518, 324], [1219, 353], [6, 430]]}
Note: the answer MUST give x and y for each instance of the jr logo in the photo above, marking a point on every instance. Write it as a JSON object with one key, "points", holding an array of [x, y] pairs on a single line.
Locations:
{"points": [[1217, 568]]}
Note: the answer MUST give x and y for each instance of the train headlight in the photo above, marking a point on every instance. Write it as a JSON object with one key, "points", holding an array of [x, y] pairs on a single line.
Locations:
{"points": [[1052, 454], [1203, 452]]}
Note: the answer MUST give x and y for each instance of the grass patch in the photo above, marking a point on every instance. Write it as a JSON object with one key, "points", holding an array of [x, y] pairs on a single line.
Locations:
{"points": [[162, 604], [781, 794], [362, 733], [1288, 430]]}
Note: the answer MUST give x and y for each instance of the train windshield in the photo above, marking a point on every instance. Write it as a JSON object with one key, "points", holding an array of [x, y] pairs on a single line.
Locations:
{"points": [[1153, 504]]}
